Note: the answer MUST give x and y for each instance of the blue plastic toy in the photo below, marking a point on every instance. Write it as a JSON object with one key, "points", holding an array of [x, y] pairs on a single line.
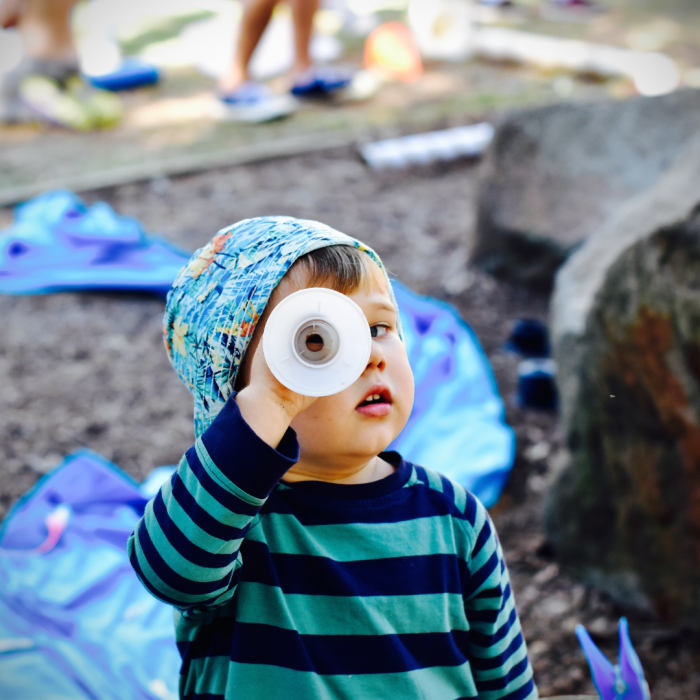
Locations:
{"points": [[622, 682]]}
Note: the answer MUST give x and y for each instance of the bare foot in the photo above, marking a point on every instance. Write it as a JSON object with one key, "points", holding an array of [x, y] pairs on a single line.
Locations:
{"points": [[231, 80]]}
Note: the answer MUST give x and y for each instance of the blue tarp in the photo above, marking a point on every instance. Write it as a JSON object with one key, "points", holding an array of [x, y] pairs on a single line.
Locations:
{"points": [[56, 243], [457, 426], [75, 622]]}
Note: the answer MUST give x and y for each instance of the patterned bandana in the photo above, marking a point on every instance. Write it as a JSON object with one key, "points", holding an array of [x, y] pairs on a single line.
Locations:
{"points": [[219, 296]]}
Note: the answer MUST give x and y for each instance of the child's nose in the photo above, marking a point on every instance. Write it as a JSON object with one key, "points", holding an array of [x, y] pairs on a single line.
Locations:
{"points": [[377, 359]]}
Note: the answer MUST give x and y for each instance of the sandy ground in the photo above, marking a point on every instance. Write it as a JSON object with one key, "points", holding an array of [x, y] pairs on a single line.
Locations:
{"points": [[90, 371]]}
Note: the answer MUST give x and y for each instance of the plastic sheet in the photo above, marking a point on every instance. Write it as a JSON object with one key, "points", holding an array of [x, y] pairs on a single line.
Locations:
{"points": [[457, 426], [58, 244], [75, 622]]}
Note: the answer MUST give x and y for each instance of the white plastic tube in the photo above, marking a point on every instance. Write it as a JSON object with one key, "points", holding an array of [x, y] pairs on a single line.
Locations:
{"points": [[317, 342]]}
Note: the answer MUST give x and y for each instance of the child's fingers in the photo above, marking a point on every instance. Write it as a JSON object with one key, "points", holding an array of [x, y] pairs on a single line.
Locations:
{"points": [[261, 375]]}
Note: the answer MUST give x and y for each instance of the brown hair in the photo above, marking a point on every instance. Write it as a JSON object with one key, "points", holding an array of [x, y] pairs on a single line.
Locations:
{"points": [[342, 268]]}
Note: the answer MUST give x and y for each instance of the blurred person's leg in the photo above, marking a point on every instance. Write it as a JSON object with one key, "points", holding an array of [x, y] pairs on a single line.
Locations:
{"points": [[310, 80], [44, 26], [303, 12], [47, 86], [256, 17], [241, 98], [246, 100]]}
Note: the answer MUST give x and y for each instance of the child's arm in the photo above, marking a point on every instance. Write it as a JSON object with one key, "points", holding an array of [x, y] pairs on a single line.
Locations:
{"points": [[497, 651], [185, 549]]}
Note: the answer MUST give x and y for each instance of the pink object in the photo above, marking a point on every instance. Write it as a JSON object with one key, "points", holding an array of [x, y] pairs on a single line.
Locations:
{"points": [[56, 524]]}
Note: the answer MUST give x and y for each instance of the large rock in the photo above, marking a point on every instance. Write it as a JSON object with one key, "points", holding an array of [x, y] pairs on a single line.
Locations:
{"points": [[552, 176], [623, 511]]}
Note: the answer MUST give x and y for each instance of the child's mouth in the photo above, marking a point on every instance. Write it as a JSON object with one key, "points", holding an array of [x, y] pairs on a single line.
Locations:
{"points": [[376, 404]]}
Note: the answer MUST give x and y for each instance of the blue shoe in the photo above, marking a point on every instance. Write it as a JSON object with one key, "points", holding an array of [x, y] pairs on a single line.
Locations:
{"points": [[132, 73], [254, 103], [322, 81]]}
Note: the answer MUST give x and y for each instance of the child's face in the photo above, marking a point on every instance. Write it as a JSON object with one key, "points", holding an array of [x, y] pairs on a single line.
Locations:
{"points": [[342, 430], [344, 427]]}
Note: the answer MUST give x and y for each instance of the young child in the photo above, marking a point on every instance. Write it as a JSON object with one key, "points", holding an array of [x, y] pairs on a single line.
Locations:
{"points": [[302, 560]]}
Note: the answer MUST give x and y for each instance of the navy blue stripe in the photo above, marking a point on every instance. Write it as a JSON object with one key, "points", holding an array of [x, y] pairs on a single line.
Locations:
{"points": [[183, 545], [313, 575], [405, 505], [253, 643], [422, 475], [153, 591], [492, 662], [522, 692], [170, 577], [344, 654], [230, 429], [477, 578], [503, 681], [448, 489], [201, 517], [482, 539], [214, 489], [487, 640], [204, 696], [470, 509]]}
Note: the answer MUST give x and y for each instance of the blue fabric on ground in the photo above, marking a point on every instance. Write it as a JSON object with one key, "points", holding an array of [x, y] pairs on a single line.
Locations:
{"points": [[56, 243], [96, 632], [457, 426]]}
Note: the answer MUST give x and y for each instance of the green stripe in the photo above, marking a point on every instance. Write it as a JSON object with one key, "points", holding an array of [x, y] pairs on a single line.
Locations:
{"points": [[192, 531], [516, 683], [166, 590], [434, 480], [360, 541], [219, 476], [207, 675], [460, 497], [491, 628], [495, 673], [413, 479], [330, 615], [207, 502], [175, 560], [276, 683]]}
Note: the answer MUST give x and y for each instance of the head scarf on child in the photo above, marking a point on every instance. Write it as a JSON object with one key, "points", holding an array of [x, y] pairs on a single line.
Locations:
{"points": [[219, 296]]}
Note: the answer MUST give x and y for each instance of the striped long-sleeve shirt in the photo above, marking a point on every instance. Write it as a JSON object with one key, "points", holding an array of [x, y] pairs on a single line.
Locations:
{"points": [[391, 589]]}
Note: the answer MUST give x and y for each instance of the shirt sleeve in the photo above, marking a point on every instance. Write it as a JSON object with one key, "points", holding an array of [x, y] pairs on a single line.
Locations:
{"points": [[497, 649], [186, 548]]}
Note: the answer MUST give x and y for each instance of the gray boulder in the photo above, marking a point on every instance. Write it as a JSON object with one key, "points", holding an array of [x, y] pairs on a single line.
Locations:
{"points": [[623, 508], [552, 176]]}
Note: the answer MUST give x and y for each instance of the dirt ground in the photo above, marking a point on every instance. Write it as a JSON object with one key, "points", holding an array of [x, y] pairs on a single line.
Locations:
{"points": [[90, 371]]}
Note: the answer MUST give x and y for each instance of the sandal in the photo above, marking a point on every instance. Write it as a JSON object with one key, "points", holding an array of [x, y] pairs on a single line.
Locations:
{"points": [[322, 81], [254, 103]]}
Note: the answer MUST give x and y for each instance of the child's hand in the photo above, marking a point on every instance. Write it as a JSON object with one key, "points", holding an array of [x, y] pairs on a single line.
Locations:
{"points": [[266, 404]]}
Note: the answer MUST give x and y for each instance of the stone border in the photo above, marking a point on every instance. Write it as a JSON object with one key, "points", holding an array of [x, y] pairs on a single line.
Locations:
{"points": [[182, 165]]}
